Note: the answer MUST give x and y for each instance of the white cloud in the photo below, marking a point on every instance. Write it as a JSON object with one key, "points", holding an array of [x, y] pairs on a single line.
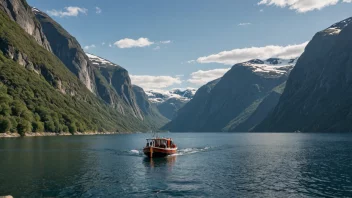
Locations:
{"points": [[156, 48], [103, 43], [69, 11], [302, 5], [89, 47], [165, 42], [191, 61], [241, 55], [244, 24], [130, 43], [110, 45], [155, 82], [202, 77], [98, 10]]}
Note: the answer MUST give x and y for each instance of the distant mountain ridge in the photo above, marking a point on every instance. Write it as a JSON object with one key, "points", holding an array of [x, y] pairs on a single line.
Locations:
{"points": [[236, 102], [169, 102]]}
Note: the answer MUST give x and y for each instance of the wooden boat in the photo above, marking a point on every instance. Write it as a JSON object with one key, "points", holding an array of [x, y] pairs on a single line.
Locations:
{"points": [[159, 147]]}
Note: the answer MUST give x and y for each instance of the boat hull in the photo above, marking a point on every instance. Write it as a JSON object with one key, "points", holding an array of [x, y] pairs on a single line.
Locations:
{"points": [[158, 152]]}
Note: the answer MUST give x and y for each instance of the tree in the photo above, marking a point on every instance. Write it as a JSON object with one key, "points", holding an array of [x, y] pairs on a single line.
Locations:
{"points": [[38, 126], [23, 127], [49, 126], [5, 109], [5, 125], [14, 124], [72, 128]]}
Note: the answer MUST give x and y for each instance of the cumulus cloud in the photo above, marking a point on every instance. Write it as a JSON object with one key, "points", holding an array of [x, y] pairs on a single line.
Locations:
{"points": [[155, 82], [68, 12], [89, 47], [98, 10], [302, 5], [241, 55], [244, 24], [202, 77], [130, 43]]}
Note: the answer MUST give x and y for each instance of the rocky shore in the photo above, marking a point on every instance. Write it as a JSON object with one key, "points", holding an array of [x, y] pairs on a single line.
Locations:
{"points": [[16, 135]]}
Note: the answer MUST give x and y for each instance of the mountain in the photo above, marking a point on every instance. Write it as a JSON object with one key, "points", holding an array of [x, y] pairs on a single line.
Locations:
{"points": [[150, 112], [67, 49], [318, 94], [114, 85], [109, 81], [169, 102], [21, 13], [236, 102], [39, 93]]}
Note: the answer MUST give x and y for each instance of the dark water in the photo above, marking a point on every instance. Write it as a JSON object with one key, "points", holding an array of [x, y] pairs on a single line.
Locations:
{"points": [[214, 165]]}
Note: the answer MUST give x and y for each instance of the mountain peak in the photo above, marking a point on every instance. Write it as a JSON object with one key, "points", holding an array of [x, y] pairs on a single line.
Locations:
{"points": [[98, 61], [336, 28], [160, 96], [272, 67]]}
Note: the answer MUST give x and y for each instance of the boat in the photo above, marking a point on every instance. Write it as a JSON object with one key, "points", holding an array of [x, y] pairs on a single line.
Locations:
{"points": [[159, 147]]}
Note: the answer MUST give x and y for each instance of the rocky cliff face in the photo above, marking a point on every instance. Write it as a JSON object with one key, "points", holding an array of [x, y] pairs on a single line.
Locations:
{"points": [[114, 85], [67, 49], [44, 95], [318, 94], [20, 12], [52, 96], [225, 104]]}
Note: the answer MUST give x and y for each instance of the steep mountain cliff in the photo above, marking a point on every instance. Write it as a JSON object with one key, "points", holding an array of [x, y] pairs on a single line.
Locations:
{"points": [[20, 12], [38, 93], [108, 81], [230, 103], [318, 94], [114, 87], [169, 102], [67, 49]]}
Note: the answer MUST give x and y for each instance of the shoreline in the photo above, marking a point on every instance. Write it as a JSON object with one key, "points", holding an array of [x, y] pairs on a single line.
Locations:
{"points": [[50, 134]]}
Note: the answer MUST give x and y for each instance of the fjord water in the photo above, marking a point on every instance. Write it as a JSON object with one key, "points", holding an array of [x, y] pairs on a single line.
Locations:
{"points": [[208, 164]]}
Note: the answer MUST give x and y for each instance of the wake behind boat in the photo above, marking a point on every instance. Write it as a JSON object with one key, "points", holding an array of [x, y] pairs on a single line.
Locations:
{"points": [[159, 147]]}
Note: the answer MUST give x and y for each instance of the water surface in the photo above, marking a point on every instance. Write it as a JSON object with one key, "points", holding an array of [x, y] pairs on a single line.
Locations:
{"points": [[208, 164]]}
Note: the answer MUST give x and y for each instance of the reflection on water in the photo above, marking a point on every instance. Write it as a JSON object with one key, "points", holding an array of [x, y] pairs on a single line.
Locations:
{"points": [[168, 161]]}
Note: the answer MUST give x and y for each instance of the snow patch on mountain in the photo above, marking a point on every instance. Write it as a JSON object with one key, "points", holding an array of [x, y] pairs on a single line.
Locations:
{"points": [[160, 96], [338, 27], [273, 67], [96, 60]]}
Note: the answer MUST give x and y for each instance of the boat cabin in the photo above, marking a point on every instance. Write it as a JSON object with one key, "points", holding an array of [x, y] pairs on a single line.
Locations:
{"points": [[160, 143]]}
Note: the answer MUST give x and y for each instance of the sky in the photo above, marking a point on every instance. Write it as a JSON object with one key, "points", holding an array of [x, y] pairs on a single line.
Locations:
{"points": [[187, 43]]}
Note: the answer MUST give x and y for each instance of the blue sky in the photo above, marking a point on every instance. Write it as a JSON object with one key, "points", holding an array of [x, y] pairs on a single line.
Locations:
{"points": [[173, 35]]}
